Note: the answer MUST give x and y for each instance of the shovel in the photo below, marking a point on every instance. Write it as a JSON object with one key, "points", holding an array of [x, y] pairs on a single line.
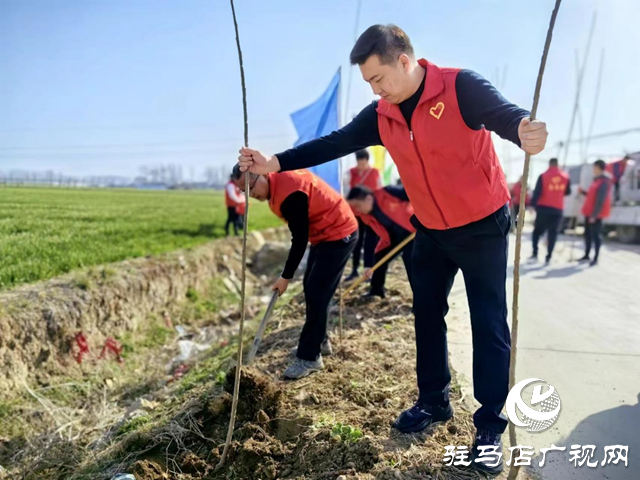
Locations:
{"points": [[262, 327]]}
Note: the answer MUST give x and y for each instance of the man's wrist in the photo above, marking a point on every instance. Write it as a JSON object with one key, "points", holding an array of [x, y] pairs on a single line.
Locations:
{"points": [[274, 164]]}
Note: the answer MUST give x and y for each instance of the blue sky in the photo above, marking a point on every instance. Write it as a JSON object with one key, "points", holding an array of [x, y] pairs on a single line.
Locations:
{"points": [[103, 87]]}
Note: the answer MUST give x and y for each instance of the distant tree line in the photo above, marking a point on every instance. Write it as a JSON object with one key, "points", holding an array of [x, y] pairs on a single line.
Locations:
{"points": [[170, 176]]}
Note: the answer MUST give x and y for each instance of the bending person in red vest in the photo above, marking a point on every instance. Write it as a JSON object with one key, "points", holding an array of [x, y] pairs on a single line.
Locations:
{"points": [[232, 198], [363, 175], [597, 206], [388, 212], [436, 123], [548, 198], [316, 214]]}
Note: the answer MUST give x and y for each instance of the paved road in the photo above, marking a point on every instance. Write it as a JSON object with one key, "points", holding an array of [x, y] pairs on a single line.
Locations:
{"points": [[579, 331]]}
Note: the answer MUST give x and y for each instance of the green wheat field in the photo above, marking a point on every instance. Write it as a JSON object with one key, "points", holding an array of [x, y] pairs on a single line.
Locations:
{"points": [[45, 232]]}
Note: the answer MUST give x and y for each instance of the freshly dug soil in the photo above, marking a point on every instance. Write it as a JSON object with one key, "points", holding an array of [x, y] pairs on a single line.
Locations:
{"points": [[294, 430], [335, 424]]}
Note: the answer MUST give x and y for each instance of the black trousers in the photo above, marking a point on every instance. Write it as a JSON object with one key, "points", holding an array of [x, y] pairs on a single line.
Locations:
{"points": [[324, 270], [592, 234], [367, 238], [232, 219], [546, 221], [479, 249], [380, 275]]}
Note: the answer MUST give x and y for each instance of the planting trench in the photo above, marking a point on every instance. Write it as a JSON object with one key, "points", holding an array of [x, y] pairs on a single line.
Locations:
{"points": [[156, 417]]}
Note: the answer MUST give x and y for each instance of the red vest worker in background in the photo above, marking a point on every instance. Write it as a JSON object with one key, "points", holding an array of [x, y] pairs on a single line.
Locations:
{"points": [[363, 175], [436, 124], [241, 209], [515, 200], [232, 198], [548, 198], [316, 214], [597, 206], [388, 212]]}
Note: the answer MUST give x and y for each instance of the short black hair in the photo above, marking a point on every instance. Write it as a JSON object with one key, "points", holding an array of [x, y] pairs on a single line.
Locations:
{"points": [[359, 192], [600, 164], [236, 174], [553, 162], [362, 154], [388, 42]]}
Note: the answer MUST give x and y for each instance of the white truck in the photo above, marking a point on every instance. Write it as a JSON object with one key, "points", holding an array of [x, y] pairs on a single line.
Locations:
{"points": [[625, 209]]}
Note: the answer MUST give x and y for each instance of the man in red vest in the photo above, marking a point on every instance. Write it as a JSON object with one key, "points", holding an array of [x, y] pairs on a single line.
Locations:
{"points": [[597, 206], [388, 212], [548, 198], [436, 122], [316, 214], [363, 175], [232, 198]]}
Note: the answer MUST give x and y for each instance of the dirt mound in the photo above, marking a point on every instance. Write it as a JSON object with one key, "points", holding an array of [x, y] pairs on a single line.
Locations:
{"points": [[257, 394], [326, 456], [148, 470]]}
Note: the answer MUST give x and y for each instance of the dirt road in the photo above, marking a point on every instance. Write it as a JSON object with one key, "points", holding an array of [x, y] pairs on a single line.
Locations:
{"points": [[579, 331]]}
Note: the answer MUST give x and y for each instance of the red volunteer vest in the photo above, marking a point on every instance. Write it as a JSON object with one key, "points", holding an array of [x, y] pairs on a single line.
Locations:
{"points": [[227, 199], [515, 195], [398, 211], [451, 173], [330, 217], [590, 201], [368, 178], [554, 184]]}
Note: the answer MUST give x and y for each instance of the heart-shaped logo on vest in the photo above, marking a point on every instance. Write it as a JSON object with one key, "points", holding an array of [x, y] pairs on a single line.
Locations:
{"points": [[437, 110]]}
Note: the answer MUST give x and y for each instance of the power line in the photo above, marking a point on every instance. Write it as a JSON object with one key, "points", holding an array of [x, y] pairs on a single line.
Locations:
{"points": [[616, 133], [138, 145]]}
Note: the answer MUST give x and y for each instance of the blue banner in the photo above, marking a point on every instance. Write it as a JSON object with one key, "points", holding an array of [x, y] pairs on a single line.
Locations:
{"points": [[318, 119]]}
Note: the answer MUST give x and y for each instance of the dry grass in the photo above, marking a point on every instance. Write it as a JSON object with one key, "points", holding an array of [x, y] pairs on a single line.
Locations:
{"points": [[284, 430]]}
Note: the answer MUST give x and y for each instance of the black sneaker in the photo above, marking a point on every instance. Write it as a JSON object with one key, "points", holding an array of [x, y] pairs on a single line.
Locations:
{"points": [[547, 260], [489, 462], [594, 262], [533, 257], [584, 259], [372, 295], [420, 416], [352, 276]]}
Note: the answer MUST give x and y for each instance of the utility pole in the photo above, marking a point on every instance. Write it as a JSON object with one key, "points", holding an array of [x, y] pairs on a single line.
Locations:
{"points": [[595, 106], [578, 90]]}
